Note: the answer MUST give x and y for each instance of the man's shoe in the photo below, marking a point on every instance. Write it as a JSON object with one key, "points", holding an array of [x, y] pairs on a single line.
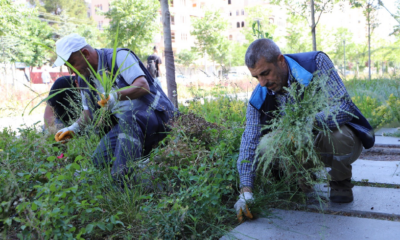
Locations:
{"points": [[341, 191]]}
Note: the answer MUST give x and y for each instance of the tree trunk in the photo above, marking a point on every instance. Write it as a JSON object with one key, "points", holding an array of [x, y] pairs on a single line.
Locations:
{"points": [[357, 70], [13, 74], [369, 41], [314, 38], [344, 58], [169, 55]]}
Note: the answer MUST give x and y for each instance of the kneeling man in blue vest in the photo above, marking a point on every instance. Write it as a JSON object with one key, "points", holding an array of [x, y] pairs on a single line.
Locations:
{"points": [[275, 71], [141, 111]]}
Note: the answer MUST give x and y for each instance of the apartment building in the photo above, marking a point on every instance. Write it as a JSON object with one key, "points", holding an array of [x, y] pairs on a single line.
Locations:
{"points": [[235, 13], [183, 12], [96, 8]]}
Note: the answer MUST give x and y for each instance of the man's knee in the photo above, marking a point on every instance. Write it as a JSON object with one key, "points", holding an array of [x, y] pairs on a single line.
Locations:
{"points": [[339, 142]]}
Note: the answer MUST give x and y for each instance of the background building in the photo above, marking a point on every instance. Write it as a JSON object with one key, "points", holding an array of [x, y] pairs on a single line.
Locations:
{"points": [[96, 7]]}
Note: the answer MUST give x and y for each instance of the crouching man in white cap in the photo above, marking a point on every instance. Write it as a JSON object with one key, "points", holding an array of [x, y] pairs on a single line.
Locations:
{"points": [[141, 111]]}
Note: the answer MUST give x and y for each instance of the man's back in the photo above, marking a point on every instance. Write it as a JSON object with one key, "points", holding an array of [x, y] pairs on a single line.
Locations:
{"points": [[157, 60], [66, 102]]}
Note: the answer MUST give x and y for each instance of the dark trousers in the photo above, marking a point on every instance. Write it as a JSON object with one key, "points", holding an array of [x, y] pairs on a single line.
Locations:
{"points": [[133, 137], [339, 151]]}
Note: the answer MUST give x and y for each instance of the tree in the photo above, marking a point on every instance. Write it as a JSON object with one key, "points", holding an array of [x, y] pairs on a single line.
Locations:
{"points": [[68, 16], [20, 30], [65, 26], [223, 53], [187, 57], [36, 31], [396, 16], [169, 54], [18, 43], [295, 38], [54, 8], [343, 48], [262, 14], [210, 38], [302, 7], [238, 53], [370, 8], [92, 34], [11, 16], [137, 23]]}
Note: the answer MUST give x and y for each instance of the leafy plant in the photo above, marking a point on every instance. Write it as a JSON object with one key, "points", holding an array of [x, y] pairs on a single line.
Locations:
{"points": [[370, 108], [291, 137], [258, 32]]}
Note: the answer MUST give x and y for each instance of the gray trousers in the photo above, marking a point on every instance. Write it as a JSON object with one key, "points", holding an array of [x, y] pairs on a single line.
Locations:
{"points": [[339, 151]]}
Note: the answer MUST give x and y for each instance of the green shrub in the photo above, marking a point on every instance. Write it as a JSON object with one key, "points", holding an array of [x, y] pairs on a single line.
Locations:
{"points": [[186, 190], [377, 100]]}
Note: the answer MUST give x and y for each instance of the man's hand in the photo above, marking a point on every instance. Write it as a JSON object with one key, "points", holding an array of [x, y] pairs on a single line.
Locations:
{"points": [[67, 133], [108, 103], [241, 206]]}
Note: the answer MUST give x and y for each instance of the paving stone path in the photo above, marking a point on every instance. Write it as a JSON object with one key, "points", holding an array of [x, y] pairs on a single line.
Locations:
{"points": [[356, 220], [385, 131], [306, 225]]}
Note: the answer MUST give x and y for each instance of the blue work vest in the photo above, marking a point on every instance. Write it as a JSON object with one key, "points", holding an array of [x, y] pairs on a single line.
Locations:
{"points": [[155, 100], [305, 64]]}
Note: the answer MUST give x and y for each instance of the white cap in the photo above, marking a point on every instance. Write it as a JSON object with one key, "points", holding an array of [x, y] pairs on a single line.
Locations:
{"points": [[66, 46]]}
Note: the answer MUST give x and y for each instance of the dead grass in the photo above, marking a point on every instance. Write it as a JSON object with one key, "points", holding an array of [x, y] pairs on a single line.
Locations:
{"points": [[16, 98]]}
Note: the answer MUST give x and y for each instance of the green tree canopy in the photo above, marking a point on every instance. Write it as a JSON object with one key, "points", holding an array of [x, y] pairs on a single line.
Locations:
{"points": [[238, 53], [75, 8], [262, 14], [302, 8], [209, 33], [11, 16], [297, 37], [137, 23], [187, 57], [20, 32]]}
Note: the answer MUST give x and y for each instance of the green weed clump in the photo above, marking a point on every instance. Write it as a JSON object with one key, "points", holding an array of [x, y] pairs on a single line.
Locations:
{"points": [[379, 114], [41, 196], [186, 190], [378, 100], [289, 146], [219, 106]]}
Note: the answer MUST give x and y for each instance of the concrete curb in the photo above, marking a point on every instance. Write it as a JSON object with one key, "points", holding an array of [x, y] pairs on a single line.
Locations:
{"points": [[384, 150]]}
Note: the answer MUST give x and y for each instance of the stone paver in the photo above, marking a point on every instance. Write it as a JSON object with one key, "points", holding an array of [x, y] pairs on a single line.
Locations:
{"points": [[383, 141], [384, 172], [367, 200], [305, 225], [383, 131], [377, 171]]}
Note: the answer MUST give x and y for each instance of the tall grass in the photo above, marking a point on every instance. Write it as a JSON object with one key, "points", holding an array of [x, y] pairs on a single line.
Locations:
{"points": [[379, 89], [16, 98], [378, 100]]}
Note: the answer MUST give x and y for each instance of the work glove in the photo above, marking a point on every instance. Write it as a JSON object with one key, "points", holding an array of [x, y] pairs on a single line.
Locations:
{"points": [[108, 103], [67, 133], [241, 206]]}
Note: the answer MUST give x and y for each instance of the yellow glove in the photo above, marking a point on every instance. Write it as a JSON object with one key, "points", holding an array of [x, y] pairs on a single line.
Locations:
{"points": [[103, 101], [67, 133], [109, 102], [241, 206]]}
